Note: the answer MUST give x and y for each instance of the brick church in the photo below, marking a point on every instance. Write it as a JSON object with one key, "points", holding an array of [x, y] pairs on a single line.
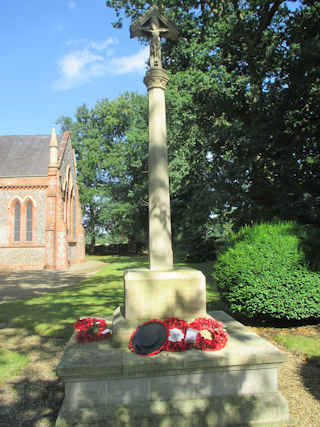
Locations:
{"points": [[40, 213]]}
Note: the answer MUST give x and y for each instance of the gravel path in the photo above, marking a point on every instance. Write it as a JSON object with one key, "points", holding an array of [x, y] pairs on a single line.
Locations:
{"points": [[26, 284], [298, 378]]}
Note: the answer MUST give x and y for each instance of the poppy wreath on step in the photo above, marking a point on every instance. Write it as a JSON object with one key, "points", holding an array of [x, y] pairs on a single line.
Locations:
{"points": [[91, 329], [176, 335], [218, 336], [177, 342]]}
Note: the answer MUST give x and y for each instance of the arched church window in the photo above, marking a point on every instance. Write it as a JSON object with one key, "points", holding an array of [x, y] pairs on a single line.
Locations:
{"points": [[29, 222], [17, 221], [74, 219]]}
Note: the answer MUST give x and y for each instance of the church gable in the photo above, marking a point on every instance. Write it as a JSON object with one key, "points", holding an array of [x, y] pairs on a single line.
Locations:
{"points": [[40, 221], [67, 161], [24, 155]]}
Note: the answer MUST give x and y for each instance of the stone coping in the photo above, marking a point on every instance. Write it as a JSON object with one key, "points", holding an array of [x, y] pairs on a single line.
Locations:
{"points": [[176, 273], [100, 359]]}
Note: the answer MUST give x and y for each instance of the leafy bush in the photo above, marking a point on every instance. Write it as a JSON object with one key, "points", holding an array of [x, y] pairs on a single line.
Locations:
{"points": [[271, 271]]}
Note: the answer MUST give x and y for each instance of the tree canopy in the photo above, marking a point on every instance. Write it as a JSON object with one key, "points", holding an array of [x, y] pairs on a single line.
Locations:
{"points": [[111, 145], [243, 122], [243, 104]]}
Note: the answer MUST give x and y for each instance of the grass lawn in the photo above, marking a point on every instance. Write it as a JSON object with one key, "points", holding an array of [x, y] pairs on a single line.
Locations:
{"points": [[307, 346], [34, 330], [53, 315], [11, 364]]}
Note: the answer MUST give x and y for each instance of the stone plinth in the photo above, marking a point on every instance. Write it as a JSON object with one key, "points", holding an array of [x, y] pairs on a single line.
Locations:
{"points": [[148, 294], [236, 386]]}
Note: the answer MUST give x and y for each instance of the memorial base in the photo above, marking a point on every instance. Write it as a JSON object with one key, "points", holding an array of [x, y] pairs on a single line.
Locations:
{"points": [[236, 386], [180, 292]]}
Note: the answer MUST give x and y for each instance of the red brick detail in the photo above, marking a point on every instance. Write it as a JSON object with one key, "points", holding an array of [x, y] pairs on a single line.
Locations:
{"points": [[60, 221]]}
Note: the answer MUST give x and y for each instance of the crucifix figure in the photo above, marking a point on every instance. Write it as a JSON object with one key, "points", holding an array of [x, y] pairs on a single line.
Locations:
{"points": [[154, 33], [153, 26]]}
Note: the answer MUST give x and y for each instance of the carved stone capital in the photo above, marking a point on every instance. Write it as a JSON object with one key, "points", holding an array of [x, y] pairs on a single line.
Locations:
{"points": [[156, 77]]}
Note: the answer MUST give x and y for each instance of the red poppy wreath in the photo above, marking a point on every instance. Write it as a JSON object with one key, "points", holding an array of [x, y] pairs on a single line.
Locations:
{"points": [[91, 329], [177, 329], [176, 335], [212, 335]]}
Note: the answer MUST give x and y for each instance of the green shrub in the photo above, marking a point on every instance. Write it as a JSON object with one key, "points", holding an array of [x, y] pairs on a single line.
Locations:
{"points": [[266, 272]]}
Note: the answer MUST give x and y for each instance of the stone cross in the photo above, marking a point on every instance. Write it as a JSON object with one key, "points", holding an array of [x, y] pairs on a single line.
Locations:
{"points": [[153, 25], [153, 33]]}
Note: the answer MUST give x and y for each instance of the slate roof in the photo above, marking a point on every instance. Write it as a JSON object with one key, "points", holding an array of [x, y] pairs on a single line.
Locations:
{"points": [[24, 155]]}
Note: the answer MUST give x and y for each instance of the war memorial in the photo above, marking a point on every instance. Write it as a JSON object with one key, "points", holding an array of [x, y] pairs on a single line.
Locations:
{"points": [[106, 384]]}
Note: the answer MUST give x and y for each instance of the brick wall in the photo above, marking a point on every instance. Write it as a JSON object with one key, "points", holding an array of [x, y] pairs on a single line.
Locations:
{"points": [[8, 197], [22, 258]]}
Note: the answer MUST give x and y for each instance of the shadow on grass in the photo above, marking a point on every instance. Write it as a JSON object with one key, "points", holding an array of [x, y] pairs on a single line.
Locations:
{"points": [[121, 259], [310, 374], [35, 399], [54, 314], [36, 402], [32, 395]]}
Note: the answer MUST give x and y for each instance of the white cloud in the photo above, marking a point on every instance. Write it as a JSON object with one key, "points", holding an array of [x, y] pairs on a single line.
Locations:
{"points": [[129, 64], [78, 42], [103, 45], [92, 59], [78, 67]]}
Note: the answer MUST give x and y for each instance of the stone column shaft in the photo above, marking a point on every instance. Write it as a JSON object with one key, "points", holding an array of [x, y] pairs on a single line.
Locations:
{"points": [[160, 247]]}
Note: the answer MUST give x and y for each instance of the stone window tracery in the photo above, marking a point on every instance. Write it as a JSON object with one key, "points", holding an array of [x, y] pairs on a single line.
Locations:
{"points": [[22, 220]]}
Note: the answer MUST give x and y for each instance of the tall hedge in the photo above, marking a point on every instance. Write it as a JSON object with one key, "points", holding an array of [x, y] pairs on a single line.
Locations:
{"points": [[271, 271]]}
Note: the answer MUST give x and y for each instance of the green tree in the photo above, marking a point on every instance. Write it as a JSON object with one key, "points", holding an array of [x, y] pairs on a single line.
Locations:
{"points": [[244, 102], [110, 141], [298, 165]]}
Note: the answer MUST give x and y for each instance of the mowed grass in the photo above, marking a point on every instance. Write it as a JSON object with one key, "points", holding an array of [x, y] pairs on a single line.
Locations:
{"points": [[36, 329], [308, 346], [11, 363], [54, 314]]}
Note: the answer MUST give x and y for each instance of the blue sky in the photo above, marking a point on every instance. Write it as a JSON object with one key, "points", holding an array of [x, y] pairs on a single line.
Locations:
{"points": [[57, 55]]}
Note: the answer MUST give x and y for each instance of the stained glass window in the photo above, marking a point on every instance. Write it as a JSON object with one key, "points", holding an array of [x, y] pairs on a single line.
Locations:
{"points": [[29, 222], [17, 220]]}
